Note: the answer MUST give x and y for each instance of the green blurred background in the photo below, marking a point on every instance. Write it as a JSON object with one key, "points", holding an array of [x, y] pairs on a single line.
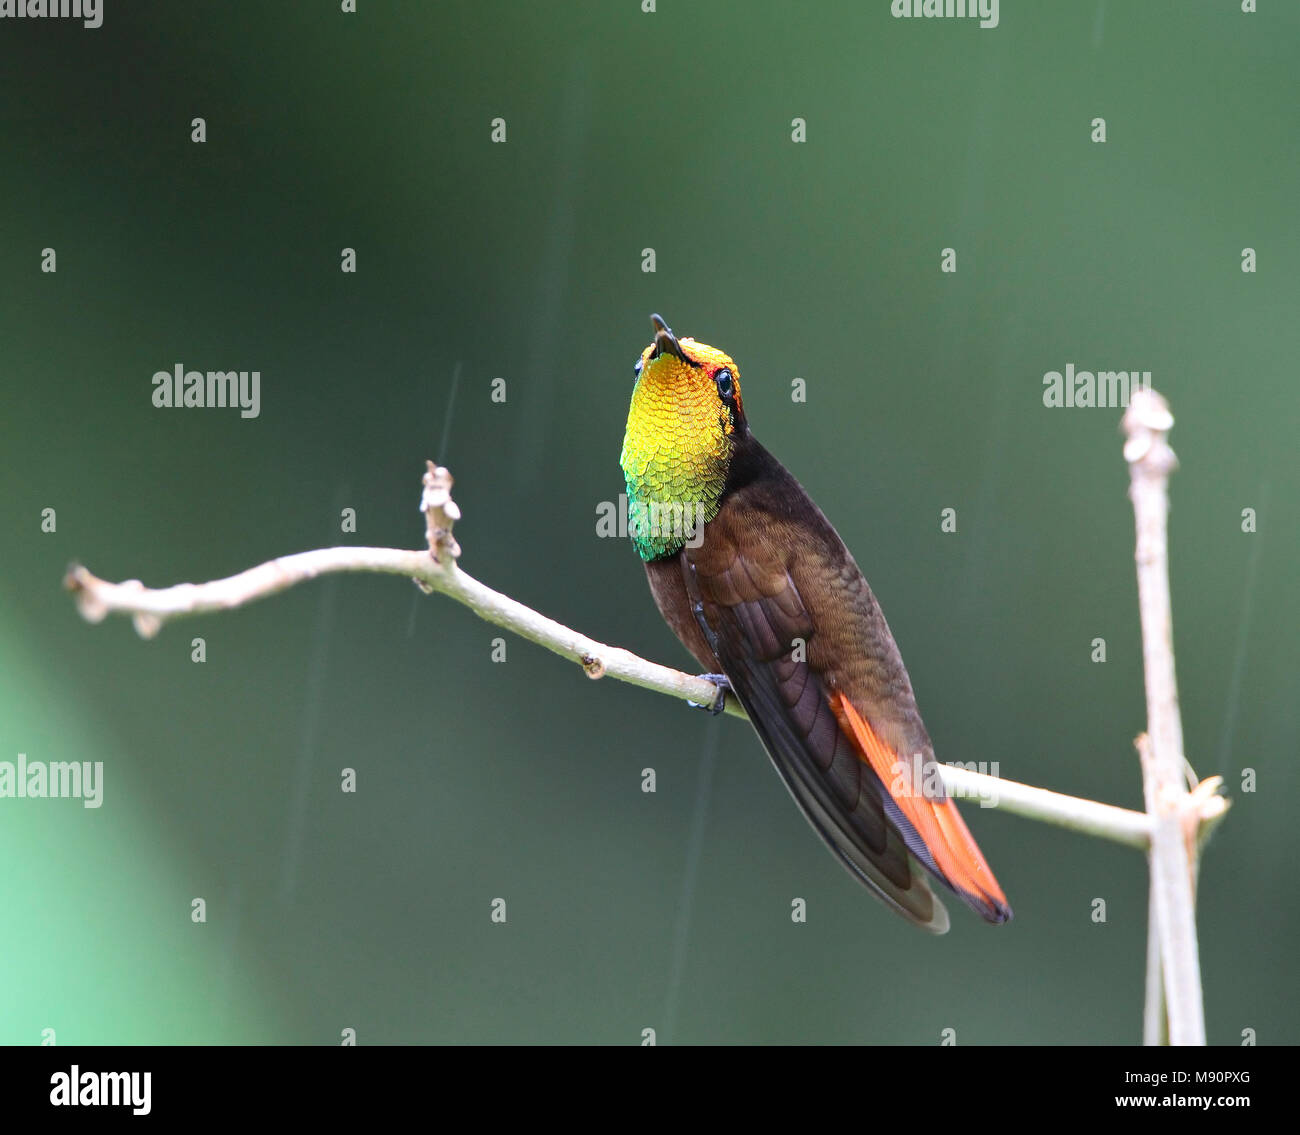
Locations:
{"points": [[521, 779]]}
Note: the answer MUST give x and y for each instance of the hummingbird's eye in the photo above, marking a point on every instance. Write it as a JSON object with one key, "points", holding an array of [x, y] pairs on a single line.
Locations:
{"points": [[726, 388], [636, 367]]}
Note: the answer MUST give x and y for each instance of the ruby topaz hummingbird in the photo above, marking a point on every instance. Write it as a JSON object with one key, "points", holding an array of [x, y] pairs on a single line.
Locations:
{"points": [[768, 599]]}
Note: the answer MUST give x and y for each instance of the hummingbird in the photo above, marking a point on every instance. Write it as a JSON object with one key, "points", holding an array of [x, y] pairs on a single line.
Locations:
{"points": [[757, 585]]}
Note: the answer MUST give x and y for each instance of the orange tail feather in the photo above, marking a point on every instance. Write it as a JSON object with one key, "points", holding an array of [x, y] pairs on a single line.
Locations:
{"points": [[958, 858]]}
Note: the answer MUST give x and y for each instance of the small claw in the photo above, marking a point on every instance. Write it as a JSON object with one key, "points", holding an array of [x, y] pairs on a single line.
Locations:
{"points": [[720, 702]]}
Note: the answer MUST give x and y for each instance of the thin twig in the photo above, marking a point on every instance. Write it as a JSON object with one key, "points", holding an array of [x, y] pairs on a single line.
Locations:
{"points": [[1146, 424], [1070, 812], [1155, 1022]]}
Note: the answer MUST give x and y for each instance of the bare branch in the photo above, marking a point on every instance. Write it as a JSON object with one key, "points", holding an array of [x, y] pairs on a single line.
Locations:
{"points": [[1070, 812], [1155, 1021], [433, 570], [1146, 424]]}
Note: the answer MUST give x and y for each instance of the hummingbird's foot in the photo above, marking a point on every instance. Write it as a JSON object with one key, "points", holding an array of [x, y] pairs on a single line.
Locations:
{"points": [[720, 702]]}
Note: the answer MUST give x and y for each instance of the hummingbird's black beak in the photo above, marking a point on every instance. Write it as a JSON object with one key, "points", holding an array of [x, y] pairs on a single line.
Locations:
{"points": [[665, 340]]}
